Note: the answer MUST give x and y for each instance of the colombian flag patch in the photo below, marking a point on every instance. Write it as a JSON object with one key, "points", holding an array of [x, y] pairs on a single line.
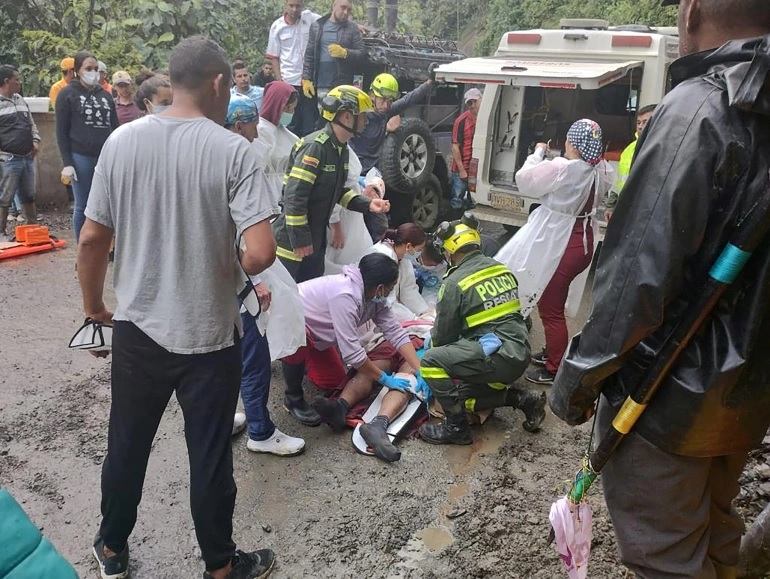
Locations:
{"points": [[308, 160]]}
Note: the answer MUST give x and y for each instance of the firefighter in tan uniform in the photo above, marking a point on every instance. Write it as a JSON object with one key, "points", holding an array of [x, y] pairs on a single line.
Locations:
{"points": [[480, 344]]}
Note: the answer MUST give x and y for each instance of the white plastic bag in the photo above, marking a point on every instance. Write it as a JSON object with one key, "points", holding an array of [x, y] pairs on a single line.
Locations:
{"points": [[573, 534], [357, 238], [284, 321], [374, 178]]}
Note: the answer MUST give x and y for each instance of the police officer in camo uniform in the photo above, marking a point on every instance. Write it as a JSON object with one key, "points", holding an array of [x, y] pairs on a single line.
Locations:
{"points": [[479, 340]]}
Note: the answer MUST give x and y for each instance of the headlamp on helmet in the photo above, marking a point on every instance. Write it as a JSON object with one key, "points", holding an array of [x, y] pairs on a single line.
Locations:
{"points": [[345, 98], [459, 235]]}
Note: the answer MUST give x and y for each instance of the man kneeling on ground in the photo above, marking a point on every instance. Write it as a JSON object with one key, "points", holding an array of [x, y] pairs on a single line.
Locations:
{"points": [[480, 342], [335, 307]]}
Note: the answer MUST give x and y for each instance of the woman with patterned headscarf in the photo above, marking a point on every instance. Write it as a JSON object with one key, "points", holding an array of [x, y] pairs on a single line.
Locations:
{"points": [[557, 243]]}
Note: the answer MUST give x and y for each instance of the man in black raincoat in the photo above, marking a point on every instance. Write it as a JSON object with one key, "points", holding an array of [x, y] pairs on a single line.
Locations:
{"points": [[700, 164]]}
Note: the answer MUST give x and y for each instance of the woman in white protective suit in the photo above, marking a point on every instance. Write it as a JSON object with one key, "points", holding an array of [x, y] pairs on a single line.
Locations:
{"points": [[274, 141], [557, 242]]}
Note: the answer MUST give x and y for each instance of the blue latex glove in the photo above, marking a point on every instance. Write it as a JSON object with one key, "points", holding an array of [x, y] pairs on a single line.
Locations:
{"points": [[422, 389], [394, 383], [490, 344]]}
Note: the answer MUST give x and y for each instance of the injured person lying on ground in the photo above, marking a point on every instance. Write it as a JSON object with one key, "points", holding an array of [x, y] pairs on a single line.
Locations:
{"points": [[335, 307]]}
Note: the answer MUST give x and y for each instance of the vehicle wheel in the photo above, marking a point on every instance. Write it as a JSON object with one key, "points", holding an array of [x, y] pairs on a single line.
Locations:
{"points": [[428, 201], [408, 155]]}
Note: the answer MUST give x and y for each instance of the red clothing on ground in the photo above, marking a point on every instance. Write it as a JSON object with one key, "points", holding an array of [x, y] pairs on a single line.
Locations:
{"points": [[324, 367], [462, 134], [554, 298]]}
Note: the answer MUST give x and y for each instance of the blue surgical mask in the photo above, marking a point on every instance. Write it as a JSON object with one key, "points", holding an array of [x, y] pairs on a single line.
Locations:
{"points": [[157, 109], [285, 119], [414, 256], [379, 299]]}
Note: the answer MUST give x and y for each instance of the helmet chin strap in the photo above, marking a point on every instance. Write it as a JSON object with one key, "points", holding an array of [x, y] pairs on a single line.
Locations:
{"points": [[350, 130]]}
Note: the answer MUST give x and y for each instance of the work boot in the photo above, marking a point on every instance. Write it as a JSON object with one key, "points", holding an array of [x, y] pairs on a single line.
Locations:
{"points": [[294, 400], [453, 429], [301, 411], [332, 412], [375, 434], [533, 407]]}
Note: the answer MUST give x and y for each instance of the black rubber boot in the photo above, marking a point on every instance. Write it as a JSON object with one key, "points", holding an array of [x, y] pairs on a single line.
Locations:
{"points": [[533, 407], [375, 433], [530, 402], [294, 400], [454, 429], [332, 412]]}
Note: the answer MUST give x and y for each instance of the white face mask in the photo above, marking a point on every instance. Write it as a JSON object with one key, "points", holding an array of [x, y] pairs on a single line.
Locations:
{"points": [[157, 109], [90, 77]]}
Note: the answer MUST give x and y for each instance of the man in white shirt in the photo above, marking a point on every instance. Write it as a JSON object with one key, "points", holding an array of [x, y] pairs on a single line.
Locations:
{"points": [[286, 48]]}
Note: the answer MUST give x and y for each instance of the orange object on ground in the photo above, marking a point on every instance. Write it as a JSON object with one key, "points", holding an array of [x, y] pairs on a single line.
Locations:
{"points": [[30, 239], [32, 234]]}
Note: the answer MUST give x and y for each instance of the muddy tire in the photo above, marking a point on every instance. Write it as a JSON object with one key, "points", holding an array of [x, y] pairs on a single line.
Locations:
{"points": [[428, 204], [407, 156]]}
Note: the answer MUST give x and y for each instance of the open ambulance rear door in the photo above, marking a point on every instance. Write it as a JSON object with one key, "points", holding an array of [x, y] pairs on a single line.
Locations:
{"points": [[548, 74]]}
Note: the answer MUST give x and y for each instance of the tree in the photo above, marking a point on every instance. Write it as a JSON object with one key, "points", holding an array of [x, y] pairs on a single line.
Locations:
{"points": [[126, 34]]}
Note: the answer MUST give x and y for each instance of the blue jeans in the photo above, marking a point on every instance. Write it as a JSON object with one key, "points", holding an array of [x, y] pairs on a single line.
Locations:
{"points": [[255, 380], [17, 178], [84, 169], [459, 187]]}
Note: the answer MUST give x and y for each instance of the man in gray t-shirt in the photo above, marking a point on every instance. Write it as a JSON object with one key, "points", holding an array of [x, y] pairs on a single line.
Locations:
{"points": [[176, 190]]}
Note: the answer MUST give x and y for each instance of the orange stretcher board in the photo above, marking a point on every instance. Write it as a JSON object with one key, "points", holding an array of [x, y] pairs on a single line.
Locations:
{"points": [[20, 250]]}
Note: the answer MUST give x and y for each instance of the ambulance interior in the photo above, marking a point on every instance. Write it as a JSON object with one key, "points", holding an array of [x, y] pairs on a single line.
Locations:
{"points": [[545, 114]]}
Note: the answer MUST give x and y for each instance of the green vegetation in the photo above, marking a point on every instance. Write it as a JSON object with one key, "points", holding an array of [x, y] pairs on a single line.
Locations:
{"points": [[131, 34]]}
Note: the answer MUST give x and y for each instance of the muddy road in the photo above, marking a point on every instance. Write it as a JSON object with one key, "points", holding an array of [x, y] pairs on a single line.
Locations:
{"points": [[479, 511]]}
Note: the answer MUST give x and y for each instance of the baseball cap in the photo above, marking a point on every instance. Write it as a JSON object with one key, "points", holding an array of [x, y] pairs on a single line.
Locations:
{"points": [[101, 67], [241, 109], [586, 136], [472, 95], [68, 63], [121, 77]]}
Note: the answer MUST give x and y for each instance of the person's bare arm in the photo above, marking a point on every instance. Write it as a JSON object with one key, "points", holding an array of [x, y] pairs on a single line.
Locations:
{"points": [[410, 356], [458, 159], [92, 259], [276, 67], [260, 248]]}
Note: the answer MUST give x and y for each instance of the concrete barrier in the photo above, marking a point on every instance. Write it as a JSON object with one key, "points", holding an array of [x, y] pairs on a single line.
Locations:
{"points": [[48, 165]]}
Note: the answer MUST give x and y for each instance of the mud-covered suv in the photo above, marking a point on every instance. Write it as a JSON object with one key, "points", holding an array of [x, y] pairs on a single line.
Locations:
{"points": [[415, 158]]}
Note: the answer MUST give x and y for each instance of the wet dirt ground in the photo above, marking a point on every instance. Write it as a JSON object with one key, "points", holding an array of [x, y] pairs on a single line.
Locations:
{"points": [[478, 511]]}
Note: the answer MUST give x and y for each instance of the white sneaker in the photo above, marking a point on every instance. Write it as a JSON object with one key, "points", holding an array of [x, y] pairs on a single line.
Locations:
{"points": [[239, 423], [20, 218], [279, 444]]}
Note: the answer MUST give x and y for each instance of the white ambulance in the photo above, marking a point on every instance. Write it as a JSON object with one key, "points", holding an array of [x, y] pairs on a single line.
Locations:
{"points": [[539, 82]]}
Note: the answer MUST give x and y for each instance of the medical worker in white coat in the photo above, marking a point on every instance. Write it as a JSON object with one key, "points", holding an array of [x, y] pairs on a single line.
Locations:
{"points": [[557, 242], [404, 245]]}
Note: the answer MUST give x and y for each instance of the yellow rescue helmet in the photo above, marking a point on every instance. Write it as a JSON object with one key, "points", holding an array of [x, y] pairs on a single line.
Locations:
{"points": [[385, 86], [345, 98], [459, 235]]}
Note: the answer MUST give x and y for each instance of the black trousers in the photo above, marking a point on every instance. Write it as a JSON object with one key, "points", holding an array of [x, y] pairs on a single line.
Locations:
{"points": [[144, 375], [308, 268]]}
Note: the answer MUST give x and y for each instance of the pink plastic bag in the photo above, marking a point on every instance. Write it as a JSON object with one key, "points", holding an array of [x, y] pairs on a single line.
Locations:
{"points": [[573, 534]]}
